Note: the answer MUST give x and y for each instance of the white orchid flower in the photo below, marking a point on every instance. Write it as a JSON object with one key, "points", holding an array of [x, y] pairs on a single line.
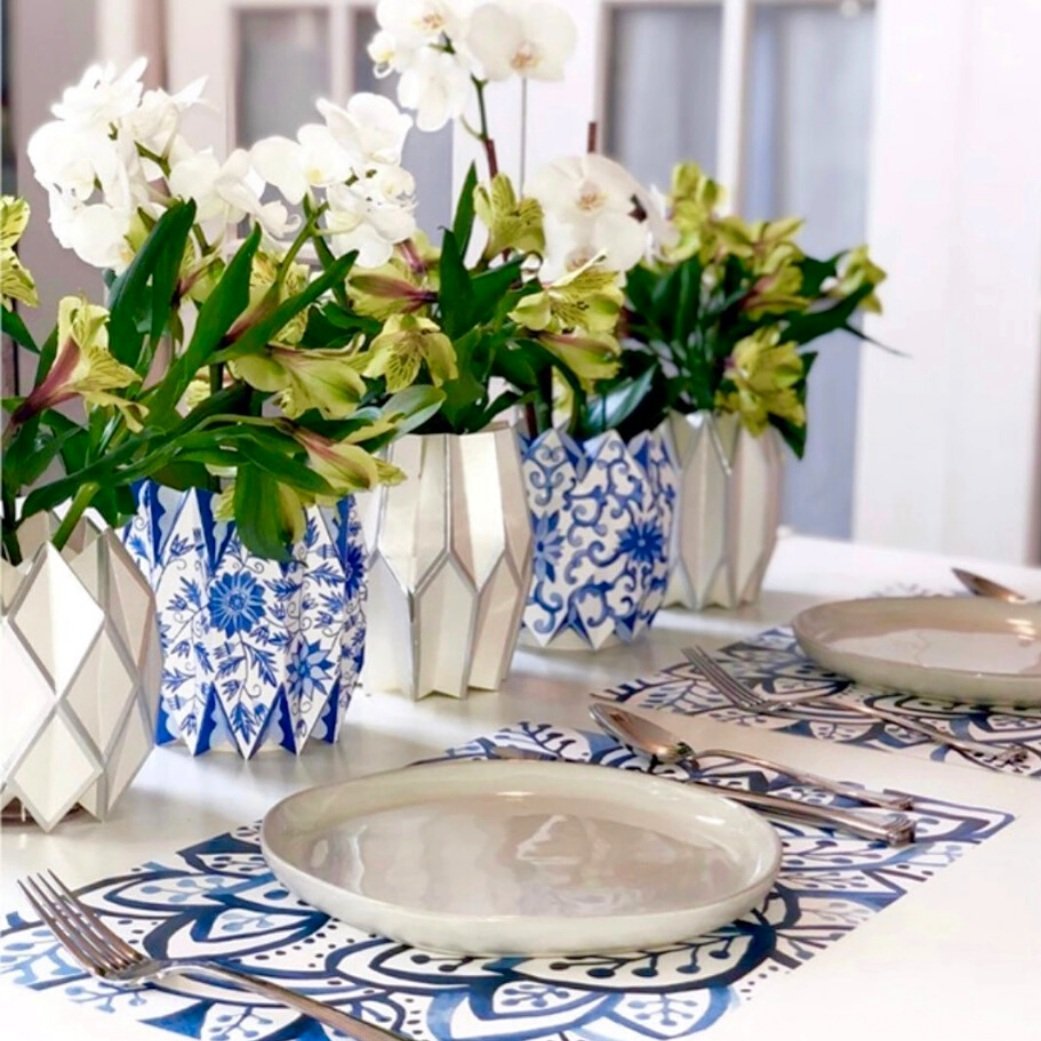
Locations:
{"points": [[356, 223], [155, 122], [581, 189], [102, 97], [436, 85], [97, 233], [391, 184], [314, 160], [612, 241], [372, 128], [73, 159], [516, 37], [416, 22], [388, 54]]}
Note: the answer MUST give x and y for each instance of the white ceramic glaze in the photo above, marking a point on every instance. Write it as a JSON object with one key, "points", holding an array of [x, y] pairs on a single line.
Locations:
{"points": [[972, 650], [489, 858]]}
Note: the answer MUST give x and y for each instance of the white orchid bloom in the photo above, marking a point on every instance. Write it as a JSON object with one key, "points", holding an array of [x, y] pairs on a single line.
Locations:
{"points": [[96, 233], [356, 223], [388, 54], [73, 159], [372, 128], [391, 184], [516, 37], [436, 86], [315, 160], [612, 241], [102, 97], [155, 122], [583, 188], [417, 22]]}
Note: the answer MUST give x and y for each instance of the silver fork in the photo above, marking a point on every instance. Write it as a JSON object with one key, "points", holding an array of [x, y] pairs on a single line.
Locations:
{"points": [[737, 693], [104, 954]]}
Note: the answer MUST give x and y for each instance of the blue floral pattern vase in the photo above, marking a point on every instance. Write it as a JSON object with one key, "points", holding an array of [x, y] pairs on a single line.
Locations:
{"points": [[256, 653], [602, 516]]}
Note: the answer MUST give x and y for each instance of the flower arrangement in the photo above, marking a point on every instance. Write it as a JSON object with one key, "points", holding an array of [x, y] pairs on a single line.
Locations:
{"points": [[720, 317], [216, 363]]}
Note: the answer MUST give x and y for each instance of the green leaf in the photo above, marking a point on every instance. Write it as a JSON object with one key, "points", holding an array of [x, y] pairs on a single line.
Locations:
{"points": [[230, 297], [262, 528], [159, 262], [612, 409], [12, 324], [455, 296], [688, 302], [185, 473], [282, 465], [258, 336], [462, 225], [490, 287]]}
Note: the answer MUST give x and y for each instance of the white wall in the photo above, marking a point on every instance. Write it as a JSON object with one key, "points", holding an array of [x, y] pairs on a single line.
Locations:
{"points": [[948, 449]]}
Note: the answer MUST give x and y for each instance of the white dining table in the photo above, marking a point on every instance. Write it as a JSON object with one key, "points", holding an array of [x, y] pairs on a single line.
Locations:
{"points": [[958, 957]]}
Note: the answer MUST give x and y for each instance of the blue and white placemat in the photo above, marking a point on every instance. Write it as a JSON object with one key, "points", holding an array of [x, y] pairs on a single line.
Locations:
{"points": [[218, 899], [772, 663]]}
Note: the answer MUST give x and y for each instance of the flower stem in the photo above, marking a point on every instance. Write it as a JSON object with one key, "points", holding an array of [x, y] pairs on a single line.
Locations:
{"points": [[80, 502], [484, 137]]}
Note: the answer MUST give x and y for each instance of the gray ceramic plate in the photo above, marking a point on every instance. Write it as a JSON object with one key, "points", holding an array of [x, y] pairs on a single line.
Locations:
{"points": [[488, 858], [971, 650]]}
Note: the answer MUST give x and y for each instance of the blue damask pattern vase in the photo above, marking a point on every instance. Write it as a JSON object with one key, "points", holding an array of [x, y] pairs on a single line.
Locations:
{"points": [[256, 653], [602, 515]]}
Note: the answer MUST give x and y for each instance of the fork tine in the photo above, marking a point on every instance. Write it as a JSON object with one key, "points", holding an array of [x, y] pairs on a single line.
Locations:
{"points": [[726, 684], [69, 939], [101, 953], [93, 919]]}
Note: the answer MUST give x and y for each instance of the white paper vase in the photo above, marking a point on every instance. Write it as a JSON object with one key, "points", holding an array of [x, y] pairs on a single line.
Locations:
{"points": [[728, 509], [602, 518], [81, 673], [257, 654], [449, 564]]}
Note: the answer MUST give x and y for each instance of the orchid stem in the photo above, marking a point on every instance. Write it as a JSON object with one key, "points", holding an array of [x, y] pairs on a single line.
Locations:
{"points": [[484, 137]]}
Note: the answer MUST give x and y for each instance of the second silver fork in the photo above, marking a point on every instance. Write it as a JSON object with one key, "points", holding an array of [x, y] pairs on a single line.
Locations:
{"points": [[738, 694]]}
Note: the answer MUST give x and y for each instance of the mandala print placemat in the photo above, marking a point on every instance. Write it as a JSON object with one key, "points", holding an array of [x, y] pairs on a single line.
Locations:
{"points": [[772, 664], [218, 899]]}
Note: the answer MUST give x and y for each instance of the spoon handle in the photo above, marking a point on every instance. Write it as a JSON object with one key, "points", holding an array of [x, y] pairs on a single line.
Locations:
{"points": [[887, 800], [895, 829]]}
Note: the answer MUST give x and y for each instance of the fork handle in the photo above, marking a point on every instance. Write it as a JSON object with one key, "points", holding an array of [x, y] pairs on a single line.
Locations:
{"points": [[896, 829], [941, 737], [325, 1014]]}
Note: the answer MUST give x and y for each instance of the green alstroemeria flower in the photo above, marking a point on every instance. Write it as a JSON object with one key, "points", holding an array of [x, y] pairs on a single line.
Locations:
{"points": [[264, 297], [591, 357], [347, 467], [858, 271], [15, 281], [776, 292], [692, 203], [767, 246], [326, 379], [407, 342], [512, 223], [761, 380], [83, 366], [588, 299]]}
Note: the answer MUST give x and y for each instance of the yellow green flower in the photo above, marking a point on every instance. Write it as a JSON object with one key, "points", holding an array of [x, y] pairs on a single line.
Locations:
{"points": [[858, 271], [591, 357], [323, 378], [15, 281], [407, 342], [767, 246], [263, 297], [512, 223], [588, 299], [391, 289], [761, 380], [776, 292], [83, 366], [693, 200], [345, 466]]}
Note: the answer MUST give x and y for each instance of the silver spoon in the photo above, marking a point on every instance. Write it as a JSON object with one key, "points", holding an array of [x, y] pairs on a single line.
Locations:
{"points": [[980, 586], [665, 747]]}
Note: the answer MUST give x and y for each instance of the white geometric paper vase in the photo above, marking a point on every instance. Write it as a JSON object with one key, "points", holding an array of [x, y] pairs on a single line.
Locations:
{"points": [[602, 517], [256, 653], [80, 657], [728, 509], [449, 564]]}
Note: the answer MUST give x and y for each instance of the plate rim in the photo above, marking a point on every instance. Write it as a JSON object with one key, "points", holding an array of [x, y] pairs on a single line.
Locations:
{"points": [[1009, 678], [769, 873]]}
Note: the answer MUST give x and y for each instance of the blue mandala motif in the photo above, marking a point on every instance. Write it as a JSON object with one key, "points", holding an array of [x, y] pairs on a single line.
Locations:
{"points": [[218, 899], [236, 603], [772, 663], [255, 652], [602, 517]]}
